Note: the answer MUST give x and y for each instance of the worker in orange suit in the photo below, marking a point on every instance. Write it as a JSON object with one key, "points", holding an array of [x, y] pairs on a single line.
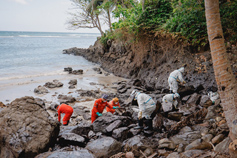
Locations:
{"points": [[65, 109], [99, 106], [115, 103]]}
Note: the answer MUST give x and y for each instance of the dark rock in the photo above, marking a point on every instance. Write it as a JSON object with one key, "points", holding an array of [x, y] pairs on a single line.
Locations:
{"points": [[101, 123], [204, 99], [212, 112], [217, 139], [195, 98], [158, 121], [21, 127], [113, 126], [207, 137], [72, 87], [166, 143], [149, 88], [192, 153], [134, 131], [137, 83], [86, 116], [71, 139], [41, 90], [187, 109], [77, 72], [176, 116], [187, 90], [2, 105], [121, 86], [68, 69], [223, 147], [66, 99], [136, 140], [121, 134], [73, 82], [173, 155], [104, 147], [199, 144], [186, 136], [54, 84], [91, 93], [67, 153], [185, 99]]}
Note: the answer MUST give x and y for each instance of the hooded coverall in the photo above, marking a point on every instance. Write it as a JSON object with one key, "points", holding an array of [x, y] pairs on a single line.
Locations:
{"points": [[213, 96], [99, 106], [173, 79], [111, 103], [170, 98], [67, 110], [146, 104]]}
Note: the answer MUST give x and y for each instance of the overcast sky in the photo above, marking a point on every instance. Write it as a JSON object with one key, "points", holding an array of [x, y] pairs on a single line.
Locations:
{"points": [[36, 15]]}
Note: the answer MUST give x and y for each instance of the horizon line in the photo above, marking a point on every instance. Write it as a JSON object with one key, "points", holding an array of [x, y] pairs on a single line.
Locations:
{"points": [[46, 31]]}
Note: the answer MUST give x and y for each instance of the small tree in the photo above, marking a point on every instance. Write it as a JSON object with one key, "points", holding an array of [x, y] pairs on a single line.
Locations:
{"points": [[84, 17]]}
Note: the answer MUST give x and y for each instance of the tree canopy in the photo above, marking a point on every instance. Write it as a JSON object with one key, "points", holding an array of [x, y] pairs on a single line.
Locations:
{"points": [[184, 18]]}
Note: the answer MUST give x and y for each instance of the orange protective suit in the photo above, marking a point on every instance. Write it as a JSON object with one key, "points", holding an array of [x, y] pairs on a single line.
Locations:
{"points": [[67, 110], [111, 103], [99, 106]]}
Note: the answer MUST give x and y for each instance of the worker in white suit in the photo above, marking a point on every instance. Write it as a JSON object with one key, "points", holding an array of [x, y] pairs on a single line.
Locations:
{"points": [[213, 96], [170, 98], [175, 77], [146, 107]]}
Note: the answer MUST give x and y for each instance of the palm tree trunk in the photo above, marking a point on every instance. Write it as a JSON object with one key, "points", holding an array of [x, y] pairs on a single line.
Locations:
{"points": [[227, 85]]}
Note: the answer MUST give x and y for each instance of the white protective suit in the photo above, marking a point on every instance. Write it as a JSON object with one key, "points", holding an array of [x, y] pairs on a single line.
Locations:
{"points": [[146, 105], [213, 96], [175, 77], [169, 100]]}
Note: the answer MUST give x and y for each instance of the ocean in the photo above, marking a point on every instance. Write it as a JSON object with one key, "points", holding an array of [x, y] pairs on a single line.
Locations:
{"points": [[37, 53], [29, 59]]}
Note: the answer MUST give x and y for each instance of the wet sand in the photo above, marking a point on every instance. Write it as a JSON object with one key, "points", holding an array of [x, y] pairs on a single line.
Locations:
{"points": [[20, 87]]}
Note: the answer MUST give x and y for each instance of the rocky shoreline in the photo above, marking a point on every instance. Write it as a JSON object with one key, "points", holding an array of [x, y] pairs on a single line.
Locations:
{"points": [[197, 129]]}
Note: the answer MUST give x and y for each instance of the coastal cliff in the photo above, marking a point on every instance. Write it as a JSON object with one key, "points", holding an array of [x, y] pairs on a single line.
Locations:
{"points": [[151, 60]]}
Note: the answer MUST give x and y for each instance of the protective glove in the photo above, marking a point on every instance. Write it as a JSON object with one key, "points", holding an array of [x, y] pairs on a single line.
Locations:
{"points": [[140, 115], [115, 107], [99, 114]]}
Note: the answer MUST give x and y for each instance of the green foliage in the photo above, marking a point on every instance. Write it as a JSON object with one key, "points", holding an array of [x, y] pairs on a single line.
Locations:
{"points": [[184, 18], [156, 13], [189, 20], [228, 14], [105, 37], [128, 17]]}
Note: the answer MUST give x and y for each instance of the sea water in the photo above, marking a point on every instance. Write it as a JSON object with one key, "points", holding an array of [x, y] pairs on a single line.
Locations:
{"points": [[24, 54], [28, 59]]}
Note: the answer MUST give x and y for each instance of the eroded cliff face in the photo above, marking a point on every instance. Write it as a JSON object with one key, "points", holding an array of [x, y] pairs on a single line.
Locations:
{"points": [[151, 60]]}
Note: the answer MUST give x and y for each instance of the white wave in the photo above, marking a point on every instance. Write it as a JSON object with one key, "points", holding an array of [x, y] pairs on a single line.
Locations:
{"points": [[38, 36], [6, 36], [59, 72]]}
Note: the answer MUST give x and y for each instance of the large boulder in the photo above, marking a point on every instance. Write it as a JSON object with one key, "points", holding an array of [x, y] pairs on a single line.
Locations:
{"points": [[104, 147], [103, 123], [67, 153], [75, 135], [26, 129], [186, 136]]}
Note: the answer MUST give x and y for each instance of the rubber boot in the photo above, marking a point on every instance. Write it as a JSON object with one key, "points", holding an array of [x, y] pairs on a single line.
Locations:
{"points": [[140, 124], [149, 125]]}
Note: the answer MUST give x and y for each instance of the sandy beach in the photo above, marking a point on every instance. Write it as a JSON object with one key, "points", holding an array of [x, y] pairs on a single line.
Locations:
{"points": [[89, 80]]}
